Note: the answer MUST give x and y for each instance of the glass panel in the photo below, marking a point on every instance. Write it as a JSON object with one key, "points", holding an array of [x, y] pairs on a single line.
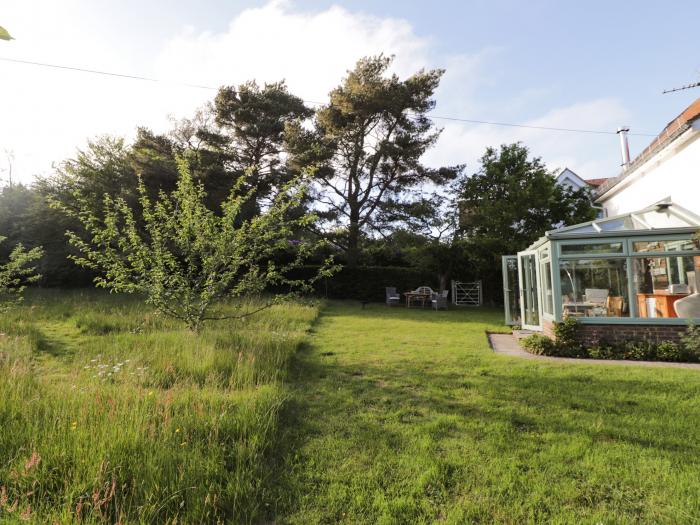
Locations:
{"points": [[599, 247], [511, 289], [594, 288], [547, 294], [661, 282], [667, 246], [528, 269], [623, 223]]}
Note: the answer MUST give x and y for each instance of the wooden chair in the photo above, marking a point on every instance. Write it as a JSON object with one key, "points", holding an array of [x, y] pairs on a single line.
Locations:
{"points": [[614, 305]]}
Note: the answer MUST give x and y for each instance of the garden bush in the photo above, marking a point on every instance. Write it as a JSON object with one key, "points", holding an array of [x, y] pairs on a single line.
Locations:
{"points": [[565, 344], [539, 344], [367, 283]]}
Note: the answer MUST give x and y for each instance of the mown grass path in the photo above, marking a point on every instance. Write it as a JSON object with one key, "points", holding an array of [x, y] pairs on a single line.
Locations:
{"points": [[403, 416]]}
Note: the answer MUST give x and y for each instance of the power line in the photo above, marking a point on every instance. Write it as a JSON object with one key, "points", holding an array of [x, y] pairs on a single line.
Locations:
{"points": [[546, 128], [98, 72], [199, 86]]}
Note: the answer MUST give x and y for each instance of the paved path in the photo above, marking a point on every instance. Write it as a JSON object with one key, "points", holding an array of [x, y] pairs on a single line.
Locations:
{"points": [[507, 344]]}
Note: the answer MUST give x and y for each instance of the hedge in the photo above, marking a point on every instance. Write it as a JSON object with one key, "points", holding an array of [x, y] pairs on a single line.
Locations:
{"points": [[368, 283]]}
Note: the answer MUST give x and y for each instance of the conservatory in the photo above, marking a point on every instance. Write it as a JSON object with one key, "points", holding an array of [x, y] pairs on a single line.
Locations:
{"points": [[642, 268]]}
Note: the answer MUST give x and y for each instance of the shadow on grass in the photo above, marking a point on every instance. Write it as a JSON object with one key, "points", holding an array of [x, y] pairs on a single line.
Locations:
{"points": [[374, 408]]}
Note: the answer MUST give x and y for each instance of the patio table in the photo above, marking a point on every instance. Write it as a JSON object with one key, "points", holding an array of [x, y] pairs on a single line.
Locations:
{"points": [[413, 297], [577, 306]]}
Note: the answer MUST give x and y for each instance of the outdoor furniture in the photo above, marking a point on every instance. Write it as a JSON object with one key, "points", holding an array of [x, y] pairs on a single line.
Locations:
{"points": [[578, 309], [392, 296], [416, 297], [599, 298], [615, 305], [439, 300]]}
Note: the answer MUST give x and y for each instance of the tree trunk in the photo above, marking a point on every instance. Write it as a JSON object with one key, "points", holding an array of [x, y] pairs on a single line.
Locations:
{"points": [[443, 279], [353, 251]]}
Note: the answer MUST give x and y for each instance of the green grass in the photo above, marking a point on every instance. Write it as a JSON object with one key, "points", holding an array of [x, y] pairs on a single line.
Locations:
{"points": [[110, 413], [407, 417]]}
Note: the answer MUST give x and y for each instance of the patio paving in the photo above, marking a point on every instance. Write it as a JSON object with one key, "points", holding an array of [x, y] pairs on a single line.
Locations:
{"points": [[507, 344]]}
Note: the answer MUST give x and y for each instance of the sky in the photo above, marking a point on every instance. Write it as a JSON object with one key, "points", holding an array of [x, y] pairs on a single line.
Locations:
{"points": [[592, 65]]}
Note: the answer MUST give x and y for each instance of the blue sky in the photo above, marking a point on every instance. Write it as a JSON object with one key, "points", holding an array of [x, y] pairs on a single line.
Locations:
{"points": [[591, 65]]}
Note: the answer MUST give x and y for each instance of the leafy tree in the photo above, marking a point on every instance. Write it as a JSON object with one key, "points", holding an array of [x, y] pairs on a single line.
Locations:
{"points": [[4, 34], [367, 144], [512, 201], [183, 257], [250, 134], [103, 167], [26, 219], [15, 273]]}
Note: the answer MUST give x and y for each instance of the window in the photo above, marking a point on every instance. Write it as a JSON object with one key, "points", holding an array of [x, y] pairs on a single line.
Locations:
{"points": [[661, 281], [594, 287], [593, 248], [547, 292], [667, 246]]}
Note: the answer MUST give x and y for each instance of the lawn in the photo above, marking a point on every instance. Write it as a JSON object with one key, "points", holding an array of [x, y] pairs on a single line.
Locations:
{"points": [[407, 417], [111, 414]]}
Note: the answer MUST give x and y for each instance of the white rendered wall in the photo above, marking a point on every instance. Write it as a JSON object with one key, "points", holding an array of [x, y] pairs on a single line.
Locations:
{"points": [[673, 172]]}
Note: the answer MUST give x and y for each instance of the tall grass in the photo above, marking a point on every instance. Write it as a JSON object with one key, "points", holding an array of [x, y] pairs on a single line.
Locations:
{"points": [[112, 414]]}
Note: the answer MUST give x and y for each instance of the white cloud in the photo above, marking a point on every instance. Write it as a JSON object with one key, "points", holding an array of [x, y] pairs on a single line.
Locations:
{"points": [[48, 113]]}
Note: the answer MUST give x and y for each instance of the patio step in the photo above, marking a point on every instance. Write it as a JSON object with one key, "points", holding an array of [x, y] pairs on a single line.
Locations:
{"points": [[521, 334]]}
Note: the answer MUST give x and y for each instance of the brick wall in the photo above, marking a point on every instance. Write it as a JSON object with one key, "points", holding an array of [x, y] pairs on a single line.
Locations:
{"points": [[591, 334]]}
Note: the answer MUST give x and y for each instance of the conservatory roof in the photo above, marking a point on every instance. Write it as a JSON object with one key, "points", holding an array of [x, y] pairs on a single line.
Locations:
{"points": [[661, 218]]}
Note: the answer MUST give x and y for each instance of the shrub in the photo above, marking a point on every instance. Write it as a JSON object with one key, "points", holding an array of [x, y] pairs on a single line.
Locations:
{"points": [[691, 343], [565, 336], [602, 351], [539, 344], [669, 351], [565, 344], [367, 283]]}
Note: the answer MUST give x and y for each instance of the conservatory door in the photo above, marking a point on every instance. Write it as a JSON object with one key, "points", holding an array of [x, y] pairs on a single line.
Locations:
{"points": [[511, 287], [529, 292]]}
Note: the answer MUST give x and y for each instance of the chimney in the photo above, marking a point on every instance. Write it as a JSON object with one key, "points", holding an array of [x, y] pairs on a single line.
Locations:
{"points": [[624, 147]]}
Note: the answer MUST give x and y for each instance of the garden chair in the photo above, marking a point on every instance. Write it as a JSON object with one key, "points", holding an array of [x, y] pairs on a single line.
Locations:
{"points": [[392, 297], [424, 289], [599, 298], [439, 300], [615, 306]]}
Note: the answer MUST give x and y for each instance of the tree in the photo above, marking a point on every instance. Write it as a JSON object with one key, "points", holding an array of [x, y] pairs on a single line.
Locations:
{"points": [[4, 34], [15, 273], [367, 143], [250, 134], [183, 257], [512, 201]]}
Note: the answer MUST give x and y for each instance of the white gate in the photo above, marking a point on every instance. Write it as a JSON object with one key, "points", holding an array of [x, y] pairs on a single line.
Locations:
{"points": [[466, 294]]}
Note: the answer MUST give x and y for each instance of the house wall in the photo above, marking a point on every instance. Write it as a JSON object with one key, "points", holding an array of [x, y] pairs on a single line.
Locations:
{"points": [[673, 172], [570, 180], [592, 334]]}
